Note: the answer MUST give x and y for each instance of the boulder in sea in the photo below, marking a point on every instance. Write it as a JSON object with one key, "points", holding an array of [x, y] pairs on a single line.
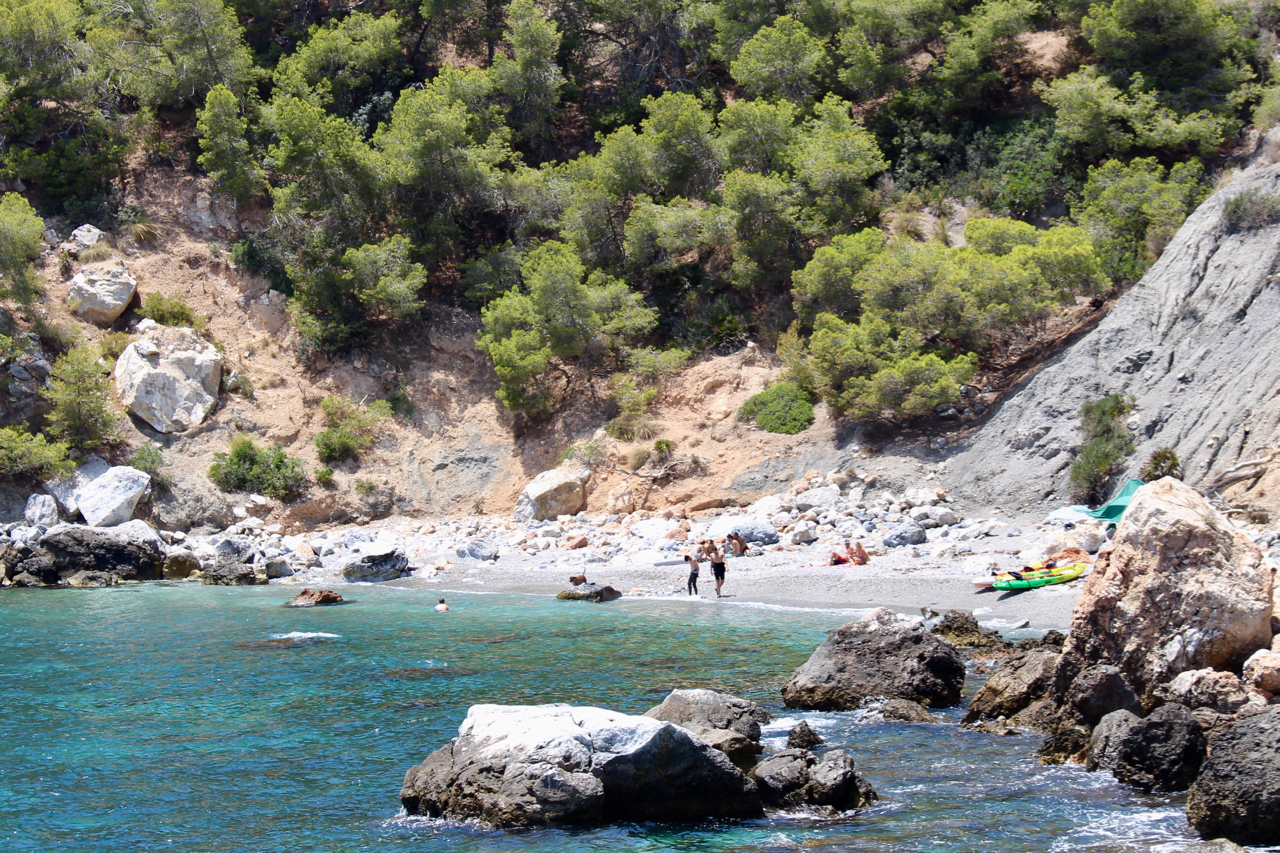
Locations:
{"points": [[111, 498], [378, 561], [179, 563], [1180, 589], [1016, 684], [1094, 693], [796, 777], [90, 580], [961, 629], [1106, 738], [560, 491], [314, 598], [590, 592], [1161, 753], [1237, 794], [515, 766], [803, 737], [131, 551], [1069, 745], [904, 711], [728, 723], [883, 654], [169, 378]]}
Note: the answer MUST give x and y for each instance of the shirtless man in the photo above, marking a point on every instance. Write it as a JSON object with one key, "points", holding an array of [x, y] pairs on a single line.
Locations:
{"points": [[855, 554], [715, 556], [442, 607], [692, 560]]}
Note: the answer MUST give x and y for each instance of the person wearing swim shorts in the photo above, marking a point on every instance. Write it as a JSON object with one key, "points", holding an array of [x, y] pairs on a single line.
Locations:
{"points": [[692, 560], [715, 556]]}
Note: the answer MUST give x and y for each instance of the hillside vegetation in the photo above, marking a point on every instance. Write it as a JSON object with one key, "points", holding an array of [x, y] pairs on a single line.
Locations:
{"points": [[892, 194]]}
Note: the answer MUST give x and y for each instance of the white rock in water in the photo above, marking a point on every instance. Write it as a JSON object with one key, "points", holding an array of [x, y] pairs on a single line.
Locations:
{"points": [[41, 511], [64, 489], [169, 378], [111, 498], [101, 295], [560, 491]]}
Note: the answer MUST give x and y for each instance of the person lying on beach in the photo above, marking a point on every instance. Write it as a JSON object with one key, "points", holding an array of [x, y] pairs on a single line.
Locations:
{"points": [[736, 544], [855, 554]]}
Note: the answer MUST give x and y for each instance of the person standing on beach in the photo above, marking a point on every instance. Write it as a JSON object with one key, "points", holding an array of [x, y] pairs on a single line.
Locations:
{"points": [[692, 560], [715, 556]]}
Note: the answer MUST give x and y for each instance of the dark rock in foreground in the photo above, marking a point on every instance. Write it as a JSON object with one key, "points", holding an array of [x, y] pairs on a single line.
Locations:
{"points": [[1068, 745], [314, 598], [378, 563], [960, 628], [883, 654], [590, 592], [1014, 686], [1161, 753], [1237, 794], [130, 552], [526, 765], [795, 777]]}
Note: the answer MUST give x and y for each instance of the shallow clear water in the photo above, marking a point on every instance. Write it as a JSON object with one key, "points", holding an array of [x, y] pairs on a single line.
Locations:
{"points": [[198, 718]]}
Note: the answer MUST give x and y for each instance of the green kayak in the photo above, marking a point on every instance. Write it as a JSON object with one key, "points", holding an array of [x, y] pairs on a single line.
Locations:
{"points": [[1058, 575]]}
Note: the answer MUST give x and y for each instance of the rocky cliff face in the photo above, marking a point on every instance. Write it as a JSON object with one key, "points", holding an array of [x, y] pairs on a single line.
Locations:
{"points": [[1193, 342]]}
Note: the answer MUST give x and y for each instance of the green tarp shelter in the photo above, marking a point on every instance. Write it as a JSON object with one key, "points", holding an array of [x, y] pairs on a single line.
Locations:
{"points": [[1112, 510]]}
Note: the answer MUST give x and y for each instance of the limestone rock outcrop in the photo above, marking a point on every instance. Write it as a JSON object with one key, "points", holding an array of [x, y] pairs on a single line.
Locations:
{"points": [[526, 765], [100, 294], [111, 498], [560, 491], [1199, 327], [64, 489], [1178, 590], [883, 654], [169, 378], [1237, 794]]}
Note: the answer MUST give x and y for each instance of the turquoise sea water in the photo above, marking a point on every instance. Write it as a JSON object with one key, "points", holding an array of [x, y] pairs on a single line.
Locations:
{"points": [[194, 718]]}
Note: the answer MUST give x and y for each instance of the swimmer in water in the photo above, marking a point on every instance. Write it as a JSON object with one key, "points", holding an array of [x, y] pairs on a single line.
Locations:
{"points": [[442, 607]]}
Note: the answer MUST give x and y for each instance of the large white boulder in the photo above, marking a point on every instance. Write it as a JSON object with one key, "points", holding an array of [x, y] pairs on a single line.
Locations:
{"points": [[823, 497], [41, 511], [560, 491], [169, 377], [110, 499], [534, 764], [84, 237], [101, 294], [64, 489]]}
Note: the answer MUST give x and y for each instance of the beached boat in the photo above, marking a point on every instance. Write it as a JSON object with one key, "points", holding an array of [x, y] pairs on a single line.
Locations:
{"points": [[1046, 577], [1030, 573]]}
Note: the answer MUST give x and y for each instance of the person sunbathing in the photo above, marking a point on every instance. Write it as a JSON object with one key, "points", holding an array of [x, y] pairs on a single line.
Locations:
{"points": [[854, 554]]}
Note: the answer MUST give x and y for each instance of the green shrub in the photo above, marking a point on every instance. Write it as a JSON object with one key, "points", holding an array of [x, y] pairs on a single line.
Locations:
{"points": [[586, 452], [80, 394], [663, 448], [632, 422], [1107, 443], [351, 428], [1163, 462], [23, 455], [782, 408], [250, 468], [399, 401], [651, 365], [366, 487], [1251, 210], [324, 476], [113, 344], [149, 460], [171, 311], [240, 384]]}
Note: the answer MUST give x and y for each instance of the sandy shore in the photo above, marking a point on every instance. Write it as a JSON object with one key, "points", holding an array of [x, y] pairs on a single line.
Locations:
{"points": [[898, 580]]}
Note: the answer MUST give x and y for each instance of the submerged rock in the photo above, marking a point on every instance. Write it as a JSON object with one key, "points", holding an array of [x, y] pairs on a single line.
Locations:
{"points": [[526, 765], [590, 592], [314, 598], [883, 654]]}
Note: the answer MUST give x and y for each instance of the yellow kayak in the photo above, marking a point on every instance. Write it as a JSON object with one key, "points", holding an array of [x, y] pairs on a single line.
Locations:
{"points": [[1048, 577]]}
